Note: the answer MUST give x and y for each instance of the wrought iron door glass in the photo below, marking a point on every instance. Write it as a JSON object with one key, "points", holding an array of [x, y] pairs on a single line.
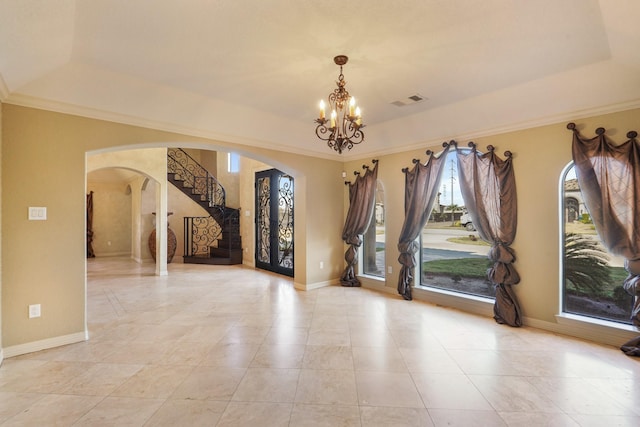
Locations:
{"points": [[274, 221]]}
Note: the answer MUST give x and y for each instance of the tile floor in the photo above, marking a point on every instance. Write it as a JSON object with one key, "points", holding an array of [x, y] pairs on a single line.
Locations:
{"points": [[231, 346]]}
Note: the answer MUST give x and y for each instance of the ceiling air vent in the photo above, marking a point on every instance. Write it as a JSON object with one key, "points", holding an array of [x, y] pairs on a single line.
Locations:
{"points": [[410, 100]]}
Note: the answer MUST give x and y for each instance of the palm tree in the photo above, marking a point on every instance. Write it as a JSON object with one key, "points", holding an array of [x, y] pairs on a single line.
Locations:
{"points": [[586, 264]]}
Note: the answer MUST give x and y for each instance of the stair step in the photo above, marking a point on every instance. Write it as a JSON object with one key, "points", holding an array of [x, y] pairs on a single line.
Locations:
{"points": [[209, 260]]}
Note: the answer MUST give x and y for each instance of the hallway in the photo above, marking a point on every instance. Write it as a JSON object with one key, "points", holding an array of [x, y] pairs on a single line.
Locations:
{"points": [[233, 346]]}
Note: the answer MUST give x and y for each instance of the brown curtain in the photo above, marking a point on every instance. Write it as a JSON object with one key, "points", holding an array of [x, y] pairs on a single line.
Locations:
{"points": [[421, 188], [90, 253], [362, 197], [489, 191], [609, 179]]}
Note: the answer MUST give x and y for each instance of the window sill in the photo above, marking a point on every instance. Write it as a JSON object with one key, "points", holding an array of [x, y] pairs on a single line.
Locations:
{"points": [[371, 277], [575, 319], [465, 302], [598, 330]]}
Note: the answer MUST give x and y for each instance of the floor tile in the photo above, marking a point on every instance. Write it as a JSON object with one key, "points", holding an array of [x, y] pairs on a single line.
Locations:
{"points": [[329, 387], [372, 416], [12, 403], [153, 382], [54, 409], [120, 411], [465, 418], [449, 391], [385, 359], [513, 394], [185, 412], [267, 385], [240, 414], [327, 357], [279, 356], [387, 389], [231, 345], [206, 383], [305, 415]]}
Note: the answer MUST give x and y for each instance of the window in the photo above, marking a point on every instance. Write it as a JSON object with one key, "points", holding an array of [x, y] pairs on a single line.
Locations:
{"points": [[373, 259], [592, 278], [233, 163], [453, 257]]}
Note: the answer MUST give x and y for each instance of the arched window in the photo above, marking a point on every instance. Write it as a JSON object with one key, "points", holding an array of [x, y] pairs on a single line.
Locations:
{"points": [[591, 277], [373, 246]]}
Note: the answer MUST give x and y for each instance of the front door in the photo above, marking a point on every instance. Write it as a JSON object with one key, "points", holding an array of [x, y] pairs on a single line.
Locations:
{"points": [[274, 221]]}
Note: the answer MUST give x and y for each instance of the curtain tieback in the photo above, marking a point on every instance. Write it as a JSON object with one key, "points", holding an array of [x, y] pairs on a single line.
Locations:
{"points": [[500, 252]]}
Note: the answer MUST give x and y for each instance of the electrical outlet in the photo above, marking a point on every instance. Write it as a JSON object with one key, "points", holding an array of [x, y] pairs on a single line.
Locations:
{"points": [[389, 269], [321, 265], [34, 311]]}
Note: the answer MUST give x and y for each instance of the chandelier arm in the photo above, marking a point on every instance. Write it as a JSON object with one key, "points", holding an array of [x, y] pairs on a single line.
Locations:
{"points": [[324, 133]]}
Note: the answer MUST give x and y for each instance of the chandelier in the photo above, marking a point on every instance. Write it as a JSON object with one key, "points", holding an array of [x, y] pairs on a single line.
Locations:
{"points": [[343, 129]]}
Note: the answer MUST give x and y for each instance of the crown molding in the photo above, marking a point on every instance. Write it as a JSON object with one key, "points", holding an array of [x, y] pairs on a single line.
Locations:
{"points": [[93, 113], [225, 140], [519, 126]]}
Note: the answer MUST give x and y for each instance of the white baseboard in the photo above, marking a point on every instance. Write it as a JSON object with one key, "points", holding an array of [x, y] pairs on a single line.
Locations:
{"points": [[30, 347], [603, 332], [599, 331], [316, 285], [112, 254]]}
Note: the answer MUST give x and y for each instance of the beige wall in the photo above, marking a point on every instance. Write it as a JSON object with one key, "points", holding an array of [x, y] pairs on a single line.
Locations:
{"points": [[539, 154], [43, 261], [1, 352], [112, 206], [246, 193], [47, 258]]}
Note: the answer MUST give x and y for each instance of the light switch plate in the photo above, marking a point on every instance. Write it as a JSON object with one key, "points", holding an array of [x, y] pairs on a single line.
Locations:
{"points": [[34, 311], [37, 213]]}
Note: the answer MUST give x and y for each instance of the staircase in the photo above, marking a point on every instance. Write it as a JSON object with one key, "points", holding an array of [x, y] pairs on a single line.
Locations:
{"points": [[207, 240]]}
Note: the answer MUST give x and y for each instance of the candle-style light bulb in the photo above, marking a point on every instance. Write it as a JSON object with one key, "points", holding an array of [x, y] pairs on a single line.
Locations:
{"points": [[333, 118], [352, 106], [321, 110], [358, 116]]}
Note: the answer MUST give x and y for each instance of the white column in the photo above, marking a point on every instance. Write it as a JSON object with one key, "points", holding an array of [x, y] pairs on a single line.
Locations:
{"points": [[161, 229]]}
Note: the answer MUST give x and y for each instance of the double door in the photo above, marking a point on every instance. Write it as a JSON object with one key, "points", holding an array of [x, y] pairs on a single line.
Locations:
{"points": [[274, 221]]}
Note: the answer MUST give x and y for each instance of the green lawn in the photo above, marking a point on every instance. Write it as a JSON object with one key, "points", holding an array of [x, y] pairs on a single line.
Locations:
{"points": [[477, 268], [467, 267]]}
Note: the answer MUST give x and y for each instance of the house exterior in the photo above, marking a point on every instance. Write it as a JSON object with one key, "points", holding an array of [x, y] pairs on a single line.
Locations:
{"points": [[574, 204]]}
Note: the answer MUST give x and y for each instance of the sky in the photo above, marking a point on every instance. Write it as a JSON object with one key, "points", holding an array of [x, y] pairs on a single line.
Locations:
{"points": [[446, 184]]}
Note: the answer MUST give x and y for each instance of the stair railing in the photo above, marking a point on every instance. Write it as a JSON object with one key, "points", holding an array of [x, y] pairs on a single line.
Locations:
{"points": [[200, 233], [196, 177]]}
